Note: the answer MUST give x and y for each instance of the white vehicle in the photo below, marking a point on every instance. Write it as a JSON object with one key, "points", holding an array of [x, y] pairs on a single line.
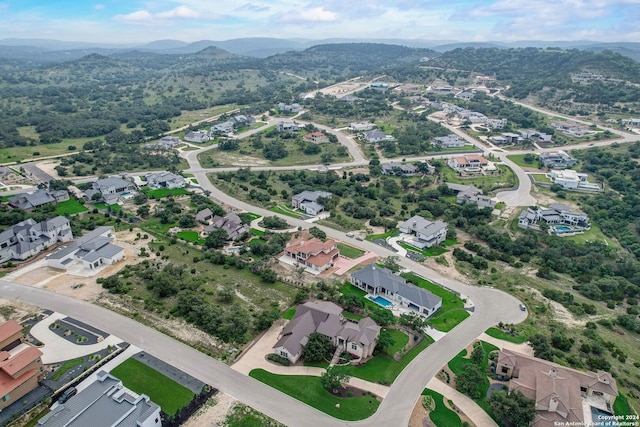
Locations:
{"points": [[349, 234]]}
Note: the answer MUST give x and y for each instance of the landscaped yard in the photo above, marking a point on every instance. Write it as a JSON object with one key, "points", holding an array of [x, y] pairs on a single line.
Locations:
{"points": [[161, 193], [70, 206], [541, 177], [441, 415], [502, 335], [452, 311], [384, 369], [289, 313], [518, 159], [401, 339], [621, 406], [432, 251], [287, 211], [65, 367], [594, 234], [504, 178], [372, 237], [190, 236], [350, 251], [164, 391], [310, 391]]}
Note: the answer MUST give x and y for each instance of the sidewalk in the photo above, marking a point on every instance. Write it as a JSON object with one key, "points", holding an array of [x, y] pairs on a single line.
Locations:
{"points": [[57, 349], [466, 405], [523, 348]]}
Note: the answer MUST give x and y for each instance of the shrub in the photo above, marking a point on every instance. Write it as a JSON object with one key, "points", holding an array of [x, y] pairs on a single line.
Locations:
{"points": [[278, 359]]}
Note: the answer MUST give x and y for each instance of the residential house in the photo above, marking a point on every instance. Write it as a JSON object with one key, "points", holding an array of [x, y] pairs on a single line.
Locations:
{"points": [[287, 126], [204, 216], [312, 253], [91, 250], [112, 189], [505, 138], [20, 364], [471, 194], [442, 90], [38, 198], [308, 201], [165, 180], [449, 141], [375, 135], [630, 122], [231, 223], [379, 85], [289, 108], [469, 162], [199, 136], [9, 176], [348, 98], [316, 138], [586, 77], [496, 123], [28, 238], [222, 128], [568, 178], [105, 402], [472, 116], [555, 214], [361, 126], [358, 339], [557, 160], [534, 135], [562, 396], [426, 233], [380, 281], [465, 95], [165, 143], [570, 128], [395, 168]]}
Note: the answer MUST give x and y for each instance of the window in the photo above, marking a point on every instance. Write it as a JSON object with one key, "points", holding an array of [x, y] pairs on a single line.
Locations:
{"points": [[354, 346], [504, 370], [6, 397]]}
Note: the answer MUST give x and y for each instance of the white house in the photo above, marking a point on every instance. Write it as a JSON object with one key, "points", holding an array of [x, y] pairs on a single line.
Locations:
{"points": [[28, 238], [92, 250], [567, 178], [361, 126], [165, 180], [470, 162], [449, 141], [358, 339], [379, 281], [308, 201], [427, 233], [287, 126], [199, 136], [107, 400]]}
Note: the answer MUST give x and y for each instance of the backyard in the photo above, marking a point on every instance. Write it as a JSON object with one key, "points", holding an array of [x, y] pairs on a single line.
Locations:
{"points": [[349, 251], [164, 391], [441, 415]]}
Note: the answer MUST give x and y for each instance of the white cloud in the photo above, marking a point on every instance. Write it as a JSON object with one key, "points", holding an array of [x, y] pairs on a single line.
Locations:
{"points": [[99, 7], [138, 17], [144, 17], [317, 14], [181, 12]]}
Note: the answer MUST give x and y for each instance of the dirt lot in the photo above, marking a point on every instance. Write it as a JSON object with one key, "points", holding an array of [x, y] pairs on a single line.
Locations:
{"points": [[80, 286], [213, 413]]}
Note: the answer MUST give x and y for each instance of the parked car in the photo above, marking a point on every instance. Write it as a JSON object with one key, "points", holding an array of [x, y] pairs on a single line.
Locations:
{"points": [[523, 307], [67, 394], [349, 234]]}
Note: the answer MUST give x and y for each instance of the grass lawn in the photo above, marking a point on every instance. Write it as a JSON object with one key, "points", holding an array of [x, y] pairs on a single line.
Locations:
{"points": [[502, 335], [190, 236], [350, 251], [34, 421], [161, 193], [433, 251], [621, 406], [460, 360], [541, 177], [14, 154], [310, 391], [289, 313], [153, 225], [452, 311], [451, 242], [286, 211], [254, 216], [70, 206], [373, 237], [65, 367], [384, 369], [504, 178], [164, 391], [256, 232], [351, 316], [441, 415], [518, 159], [349, 289], [401, 339], [594, 234]]}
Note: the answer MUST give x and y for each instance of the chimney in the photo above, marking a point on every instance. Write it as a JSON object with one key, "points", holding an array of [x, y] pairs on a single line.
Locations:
{"points": [[553, 373]]}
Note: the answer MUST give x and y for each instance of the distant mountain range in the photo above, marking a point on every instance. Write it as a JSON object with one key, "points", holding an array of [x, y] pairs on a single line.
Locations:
{"points": [[45, 50]]}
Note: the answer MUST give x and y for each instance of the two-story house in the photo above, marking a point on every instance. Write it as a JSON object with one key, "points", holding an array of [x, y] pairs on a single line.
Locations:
{"points": [[426, 233]]}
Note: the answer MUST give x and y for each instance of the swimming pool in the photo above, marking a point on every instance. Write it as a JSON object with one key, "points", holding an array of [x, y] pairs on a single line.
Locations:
{"points": [[602, 418], [588, 185], [562, 228], [381, 301]]}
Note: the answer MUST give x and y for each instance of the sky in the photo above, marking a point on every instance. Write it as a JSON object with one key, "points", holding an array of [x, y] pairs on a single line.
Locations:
{"points": [[138, 21]]}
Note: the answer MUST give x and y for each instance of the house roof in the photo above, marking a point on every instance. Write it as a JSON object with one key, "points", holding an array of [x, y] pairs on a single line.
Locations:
{"points": [[9, 328], [111, 181], [104, 403], [374, 134], [12, 364], [204, 214], [384, 278], [307, 245], [31, 200], [311, 196], [423, 226], [81, 242]]}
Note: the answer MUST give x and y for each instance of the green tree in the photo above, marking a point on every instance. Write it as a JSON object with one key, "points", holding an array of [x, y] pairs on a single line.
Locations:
{"points": [[478, 354], [216, 239], [471, 381], [317, 233], [318, 348], [350, 302], [391, 262], [513, 409], [334, 378], [385, 341], [139, 198], [143, 211], [301, 296]]}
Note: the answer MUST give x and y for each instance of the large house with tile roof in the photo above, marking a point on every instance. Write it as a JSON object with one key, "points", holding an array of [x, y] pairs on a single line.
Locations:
{"points": [[28, 238], [358, 339], [380, 281], [311, 253], [20, 364], [469, 162], [105, 402], [563, 396]]}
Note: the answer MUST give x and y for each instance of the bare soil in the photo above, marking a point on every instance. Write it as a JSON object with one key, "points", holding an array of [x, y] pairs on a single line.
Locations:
{"points": [[213, 413], [420, 416]]}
